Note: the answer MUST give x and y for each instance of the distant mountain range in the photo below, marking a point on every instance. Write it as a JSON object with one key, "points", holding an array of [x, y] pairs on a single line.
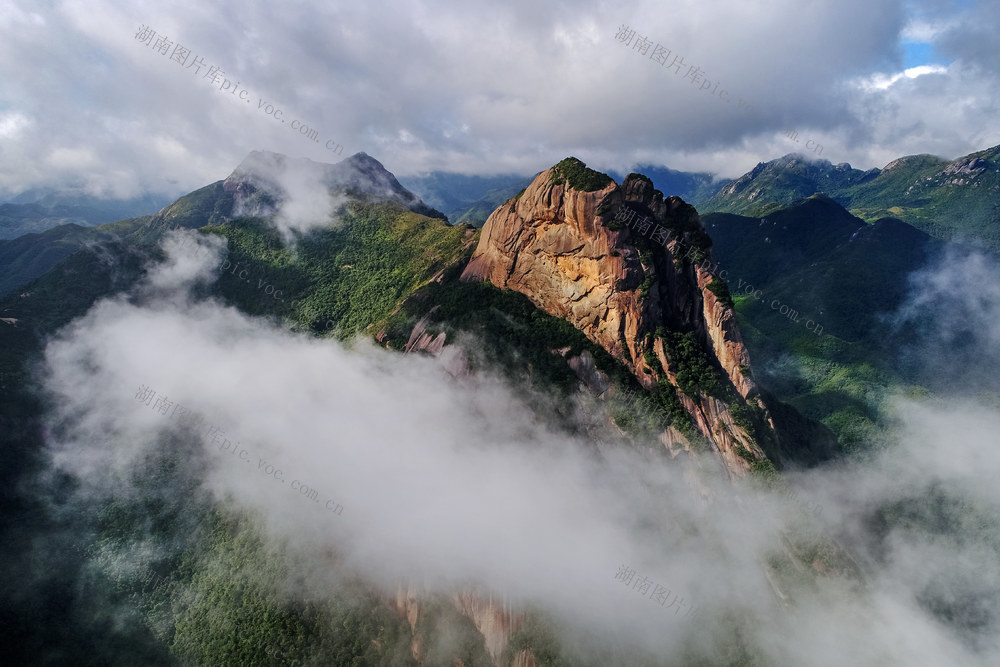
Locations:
{"points": [[949, 199], [836, 245], [36, 211], [684, 329], [693, 187], [957, 199], [471, 199], [655, 343], [464, 198]]}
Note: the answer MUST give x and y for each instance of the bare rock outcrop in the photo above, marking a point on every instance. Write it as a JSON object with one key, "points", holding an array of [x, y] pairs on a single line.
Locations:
{"points": [[560, 246], [494, 619]]}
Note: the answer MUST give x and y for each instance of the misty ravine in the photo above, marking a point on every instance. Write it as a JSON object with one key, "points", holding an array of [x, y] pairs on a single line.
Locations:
{"points": [[215, 436]]}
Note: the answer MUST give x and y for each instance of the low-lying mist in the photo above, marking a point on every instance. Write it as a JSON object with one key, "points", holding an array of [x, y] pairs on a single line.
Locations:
{"points": [[362, 462]]}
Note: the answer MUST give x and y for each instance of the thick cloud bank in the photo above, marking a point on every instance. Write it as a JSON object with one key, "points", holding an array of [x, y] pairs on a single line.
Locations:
{"points": [[410, 474]]}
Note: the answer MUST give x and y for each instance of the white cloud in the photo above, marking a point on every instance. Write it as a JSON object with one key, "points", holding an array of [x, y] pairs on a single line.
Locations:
{"points": [[929, 31], [11, 124], [13, 17], [397, 84], [450, 482], [885, 81], [80, 158]]}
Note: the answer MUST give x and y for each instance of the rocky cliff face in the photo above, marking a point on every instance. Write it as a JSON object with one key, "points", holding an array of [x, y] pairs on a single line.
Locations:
{"points": [[494, 619], [632, 289], [550, 244], [559, 244]]}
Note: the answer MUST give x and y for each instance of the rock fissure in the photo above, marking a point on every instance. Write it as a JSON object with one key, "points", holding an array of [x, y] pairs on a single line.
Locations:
{"points": [[559, 252]]}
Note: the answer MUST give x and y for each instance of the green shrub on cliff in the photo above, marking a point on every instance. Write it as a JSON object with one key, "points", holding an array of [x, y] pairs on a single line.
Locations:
{"points": [[578, 176], [694, 372], [719, 288]]}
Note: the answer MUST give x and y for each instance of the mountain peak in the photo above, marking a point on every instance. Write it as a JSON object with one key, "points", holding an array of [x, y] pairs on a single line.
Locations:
{"points": [[276, 174], [635, 288], [915, 161], [576, 175]]}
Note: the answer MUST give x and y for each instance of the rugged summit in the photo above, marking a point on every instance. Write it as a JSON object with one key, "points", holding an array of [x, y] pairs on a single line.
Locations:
{"points": [[952, 200], [264, 179], [646, 302]]}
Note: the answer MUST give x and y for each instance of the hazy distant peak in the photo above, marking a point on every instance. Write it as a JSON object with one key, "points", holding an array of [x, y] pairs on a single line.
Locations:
{"points": [[360, 174]]}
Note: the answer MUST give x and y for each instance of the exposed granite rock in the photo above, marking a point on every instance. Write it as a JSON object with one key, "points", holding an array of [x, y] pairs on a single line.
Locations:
{"points": [[549, 245], [408, 605], [452, 357], [524, 658], [970, 165], [554, 245], [722, 330], [422, 341], [592, 377], [494, 619]]}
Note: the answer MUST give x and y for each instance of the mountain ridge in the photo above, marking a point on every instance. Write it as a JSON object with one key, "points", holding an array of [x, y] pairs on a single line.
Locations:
{"points": [[555, 244], [948, 199]]}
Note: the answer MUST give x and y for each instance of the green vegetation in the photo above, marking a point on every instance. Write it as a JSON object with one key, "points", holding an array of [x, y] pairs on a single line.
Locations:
{"points": [[345, 278], [646, 285], [778, 183], [941, 513], [842, 376], [742, 416], [652, 361], [223, 601], [516, 336], [918, 191], [513, 202], [667, 400], [535, 636], [526, 344], [764, 469], [464, 198], [824, 378], [694, 243], [744, 454], [922, 190], [216, 593], [231, 611], [577, 175], [210, 205], [695, 374], [29, 257], [720, 289]]}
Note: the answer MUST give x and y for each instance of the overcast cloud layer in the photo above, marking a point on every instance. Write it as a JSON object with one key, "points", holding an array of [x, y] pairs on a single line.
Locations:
{"points": [[451, 483], [481, 87]]}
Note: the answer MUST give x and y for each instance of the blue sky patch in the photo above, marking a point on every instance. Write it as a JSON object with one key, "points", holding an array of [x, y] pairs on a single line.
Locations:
{"points": [[917, 53]]}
